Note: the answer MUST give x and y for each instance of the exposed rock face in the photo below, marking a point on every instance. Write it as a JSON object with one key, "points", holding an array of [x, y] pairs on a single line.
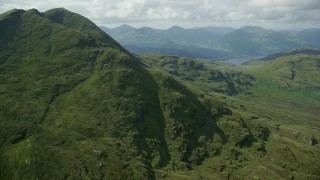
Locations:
{"points": [[313, 141]]}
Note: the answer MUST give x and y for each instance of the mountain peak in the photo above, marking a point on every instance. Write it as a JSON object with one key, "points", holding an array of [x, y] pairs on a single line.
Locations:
{"points": [[68, 19], [251, 28], [34, 11], [145, 29], [80, 23], [12, 12], [125, 27], [176, 28]]}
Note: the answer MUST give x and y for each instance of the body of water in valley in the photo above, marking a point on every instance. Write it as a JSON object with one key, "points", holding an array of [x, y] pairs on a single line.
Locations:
{"points": [[242, 59]]}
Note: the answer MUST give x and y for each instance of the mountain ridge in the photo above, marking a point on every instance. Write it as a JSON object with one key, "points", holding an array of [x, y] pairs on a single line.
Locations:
{"points": [[247, 40], [309, 51]]}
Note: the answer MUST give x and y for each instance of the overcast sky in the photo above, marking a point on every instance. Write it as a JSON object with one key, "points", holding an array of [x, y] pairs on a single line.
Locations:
{"points": [[276, 14]]}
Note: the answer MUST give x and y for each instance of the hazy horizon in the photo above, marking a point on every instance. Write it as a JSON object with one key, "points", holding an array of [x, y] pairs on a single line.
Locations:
{"points": [[112, 26], [270, 14]]}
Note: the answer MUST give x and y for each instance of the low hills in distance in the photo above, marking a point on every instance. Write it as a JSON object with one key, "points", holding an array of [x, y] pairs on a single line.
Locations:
{"points": [[75, 104], [213, 42], [309, 51]]}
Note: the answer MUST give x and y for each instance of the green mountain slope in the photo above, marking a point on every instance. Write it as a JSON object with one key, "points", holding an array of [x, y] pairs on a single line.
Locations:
{"points": [[294, 80], [76, 105], [291, 77], [282, 95], [308, 51], [201, 74], [43, 68]]}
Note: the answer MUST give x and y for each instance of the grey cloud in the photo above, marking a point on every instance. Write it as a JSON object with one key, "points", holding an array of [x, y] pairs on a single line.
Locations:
{"points": [[207, 12]]}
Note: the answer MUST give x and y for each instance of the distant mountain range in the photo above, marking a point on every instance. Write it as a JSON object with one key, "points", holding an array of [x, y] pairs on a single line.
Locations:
{"points": [[213, 42]]}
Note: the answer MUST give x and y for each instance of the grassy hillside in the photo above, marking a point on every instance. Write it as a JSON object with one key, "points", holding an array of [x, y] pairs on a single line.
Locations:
{"points": [[82, 24], [293, 81], [309, 51], [290, 79], [201, 74], [49, 67], [283, 98]]}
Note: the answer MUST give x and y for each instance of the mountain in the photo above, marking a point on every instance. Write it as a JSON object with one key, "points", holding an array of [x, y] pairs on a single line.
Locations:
{"points": [[121, 29], [147, 37], [198, 74], [311, 36], [197, 37], [155, 41], [308, 51], [289, 72], [213, 42], [291, 84], [258, 41], [75, 104], [217, 30]]}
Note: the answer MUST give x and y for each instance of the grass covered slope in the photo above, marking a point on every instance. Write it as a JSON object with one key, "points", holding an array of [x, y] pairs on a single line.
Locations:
{"points": [[286, 91], [201, 74], [280, 105], [293, 81], [36, 67], [82, 24], [75, 105], [46, 62]]}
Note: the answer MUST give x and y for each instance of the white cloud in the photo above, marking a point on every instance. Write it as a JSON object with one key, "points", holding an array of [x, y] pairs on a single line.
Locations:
{"points": [[185, 12]]}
